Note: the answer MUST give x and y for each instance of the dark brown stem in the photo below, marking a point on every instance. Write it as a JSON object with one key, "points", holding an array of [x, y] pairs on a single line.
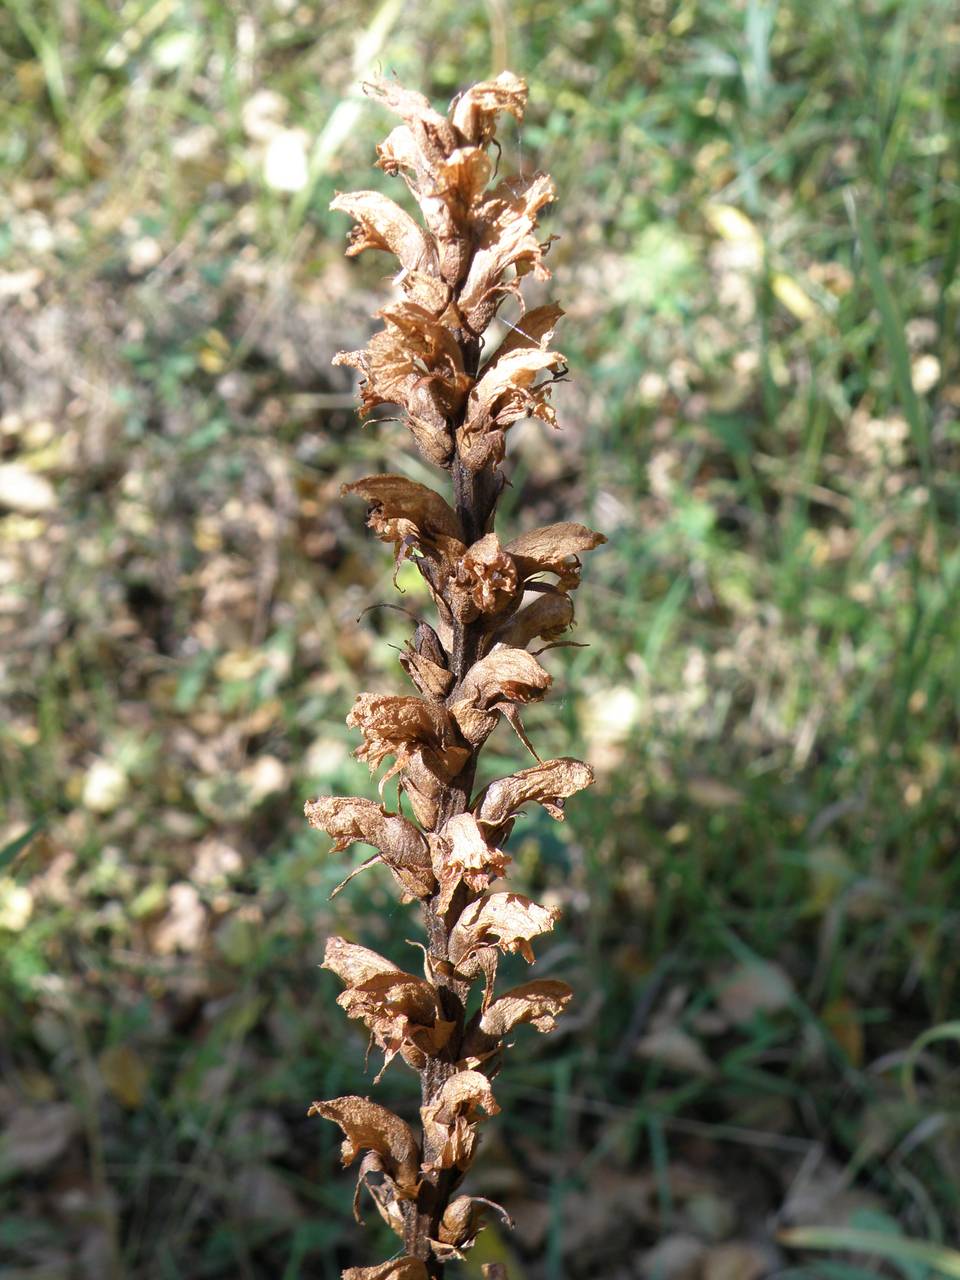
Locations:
{"points": [[475, 496]]}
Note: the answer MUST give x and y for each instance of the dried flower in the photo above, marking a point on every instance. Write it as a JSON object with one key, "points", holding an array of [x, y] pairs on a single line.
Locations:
{"points": [[493, 601]]}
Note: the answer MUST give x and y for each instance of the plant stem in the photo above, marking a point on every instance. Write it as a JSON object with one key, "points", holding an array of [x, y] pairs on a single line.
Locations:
{"points": [[475, 495]]}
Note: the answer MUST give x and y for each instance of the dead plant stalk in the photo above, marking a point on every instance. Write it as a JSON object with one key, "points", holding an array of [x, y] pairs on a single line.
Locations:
{"points": [[492, 602]]}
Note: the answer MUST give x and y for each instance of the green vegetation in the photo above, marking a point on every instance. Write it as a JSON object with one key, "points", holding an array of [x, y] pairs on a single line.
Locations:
{"points": [[759, 224]]}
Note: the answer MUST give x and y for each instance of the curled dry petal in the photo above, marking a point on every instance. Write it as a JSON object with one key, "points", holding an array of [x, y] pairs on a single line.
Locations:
{"points": [[485, 580], [549, 784], [412, 106], [461, 853], [400, 1010], [503, 676], [554, 549], [402, 509], [533, 329], [400, 726], [414, 362], [369, 1127], [546, 617], [383, 1191], [405, 1268], [540, 1003], [449, 1121], [463, 1219], [402, 1015], [382, 224], [475, 112], [507, 392], [354, 964], [350, 818], [509, 919], [402, 847], [508, 217]]}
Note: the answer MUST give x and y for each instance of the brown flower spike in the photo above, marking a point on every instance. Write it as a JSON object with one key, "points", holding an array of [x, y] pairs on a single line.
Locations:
{"points": [[494, 601]]}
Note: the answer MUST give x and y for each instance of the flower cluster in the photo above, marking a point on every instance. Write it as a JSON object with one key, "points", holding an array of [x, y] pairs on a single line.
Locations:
{"points": [[493, 602]]}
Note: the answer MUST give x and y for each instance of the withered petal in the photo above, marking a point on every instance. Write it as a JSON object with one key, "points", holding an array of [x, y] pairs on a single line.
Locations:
{"points": [[399, 506], [449, 1119], [553, 549], [507, 392], [402, 847], [540, 1003], [382, 224], [545, 617], [505, 675], [509, 919], [354, 964], [464, 1092], [415, 110], [549, 784], [369, 1127], [509, 217], [485, 580], [533, 329], [461, 853], [397, 726], [474, 113], [383, 1191]]}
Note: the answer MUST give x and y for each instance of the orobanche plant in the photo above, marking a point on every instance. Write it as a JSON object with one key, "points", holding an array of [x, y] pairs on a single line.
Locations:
{"points": [[459, 393]]}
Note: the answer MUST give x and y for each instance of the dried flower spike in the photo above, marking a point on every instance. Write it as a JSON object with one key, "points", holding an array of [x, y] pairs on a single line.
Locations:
{"points": [[474, 665]]}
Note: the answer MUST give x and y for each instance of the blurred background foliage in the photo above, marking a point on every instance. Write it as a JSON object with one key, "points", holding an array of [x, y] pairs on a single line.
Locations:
{"points": [[759, 233]]}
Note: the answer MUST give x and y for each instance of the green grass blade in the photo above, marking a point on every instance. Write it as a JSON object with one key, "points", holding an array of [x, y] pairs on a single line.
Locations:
{"points": [[894, 339], [945, 1031], [898, 1249], [10, 852]]}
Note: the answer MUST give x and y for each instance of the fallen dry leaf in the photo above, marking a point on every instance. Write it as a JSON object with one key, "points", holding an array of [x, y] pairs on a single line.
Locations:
{"points": [[759, 986], [35, 1137], [125, 1074], [676, 1049]]}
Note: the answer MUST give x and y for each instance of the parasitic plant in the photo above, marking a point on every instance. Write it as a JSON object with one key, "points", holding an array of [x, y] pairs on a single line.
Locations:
{"points": [[460, 393]]}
